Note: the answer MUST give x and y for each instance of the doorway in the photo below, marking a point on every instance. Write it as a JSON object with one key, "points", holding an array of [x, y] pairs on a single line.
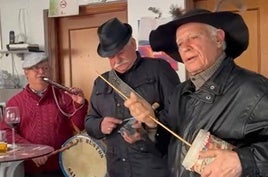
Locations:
{"points": [[72, 44]]}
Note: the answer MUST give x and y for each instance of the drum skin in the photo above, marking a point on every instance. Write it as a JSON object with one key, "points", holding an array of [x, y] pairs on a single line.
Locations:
{"points": [[86, 158]]}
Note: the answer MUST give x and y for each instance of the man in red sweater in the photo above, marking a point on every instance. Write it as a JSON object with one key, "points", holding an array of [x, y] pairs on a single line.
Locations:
{"points": [[48, 115]]}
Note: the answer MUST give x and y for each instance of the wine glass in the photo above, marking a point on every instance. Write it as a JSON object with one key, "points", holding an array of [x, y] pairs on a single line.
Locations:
{"points": [[12, 118]]}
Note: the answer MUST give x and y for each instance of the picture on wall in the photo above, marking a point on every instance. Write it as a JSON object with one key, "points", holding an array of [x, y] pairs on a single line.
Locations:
{"points": [[145, 26]]}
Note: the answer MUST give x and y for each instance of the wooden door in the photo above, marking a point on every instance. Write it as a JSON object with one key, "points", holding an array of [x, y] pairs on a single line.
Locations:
{"points": [[255, 58], [77, 62]]}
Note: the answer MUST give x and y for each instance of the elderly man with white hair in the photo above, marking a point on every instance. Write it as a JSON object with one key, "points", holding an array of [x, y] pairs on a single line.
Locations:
{"points": [[220, 97], [49, 115]]}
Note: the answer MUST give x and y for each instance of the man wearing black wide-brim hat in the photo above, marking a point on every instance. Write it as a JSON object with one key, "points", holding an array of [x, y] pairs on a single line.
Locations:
{"points": [[130, 151], [220, 97]]}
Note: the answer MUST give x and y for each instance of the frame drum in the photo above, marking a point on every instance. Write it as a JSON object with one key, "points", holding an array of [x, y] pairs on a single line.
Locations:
{"points": [[203, 141], [85, 157]]}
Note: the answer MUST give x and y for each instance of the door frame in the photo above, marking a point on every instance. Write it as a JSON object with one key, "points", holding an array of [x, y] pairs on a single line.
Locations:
{"points": [[51, 30]]}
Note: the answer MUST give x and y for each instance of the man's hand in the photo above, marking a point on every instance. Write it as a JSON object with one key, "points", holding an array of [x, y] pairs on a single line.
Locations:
{"points": [[137, 136], [141, 110], [39, 161], [108, 124], [77, 95], [226, 163]]}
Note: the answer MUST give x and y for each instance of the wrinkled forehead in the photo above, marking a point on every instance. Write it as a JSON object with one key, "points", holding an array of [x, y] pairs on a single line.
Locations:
{"points": [[191, 28]]}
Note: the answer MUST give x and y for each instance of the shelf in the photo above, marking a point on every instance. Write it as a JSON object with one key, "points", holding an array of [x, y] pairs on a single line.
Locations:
{"points": [[14, 51], [19, 53]]}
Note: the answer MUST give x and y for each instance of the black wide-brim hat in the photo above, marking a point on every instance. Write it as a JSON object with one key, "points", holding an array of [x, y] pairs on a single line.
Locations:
{"points": [[236, 31], [113, 36]]}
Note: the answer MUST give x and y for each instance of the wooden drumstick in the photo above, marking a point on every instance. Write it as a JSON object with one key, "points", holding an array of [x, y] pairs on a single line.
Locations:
{"points": [[63, 148], [151, 117]]}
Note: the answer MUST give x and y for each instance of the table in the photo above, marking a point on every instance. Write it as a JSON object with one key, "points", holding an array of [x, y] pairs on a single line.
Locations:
{"points": [[25, 151], [11, 162]]}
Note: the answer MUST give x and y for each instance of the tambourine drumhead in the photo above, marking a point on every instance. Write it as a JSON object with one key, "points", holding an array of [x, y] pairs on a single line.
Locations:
{"points": [[86, 158]]}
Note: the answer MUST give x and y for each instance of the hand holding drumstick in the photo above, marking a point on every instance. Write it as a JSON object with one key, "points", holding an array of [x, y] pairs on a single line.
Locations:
{"points": [[142, 111], [135, 106], [39, 161]]}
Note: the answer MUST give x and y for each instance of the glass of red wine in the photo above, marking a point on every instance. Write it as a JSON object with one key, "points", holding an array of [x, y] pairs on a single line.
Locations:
{"points": [[12, 118]]}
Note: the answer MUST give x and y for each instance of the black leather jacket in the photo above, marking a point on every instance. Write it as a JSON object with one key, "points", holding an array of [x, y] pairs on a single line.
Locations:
{"points": [[154, 80], [232, 105]]}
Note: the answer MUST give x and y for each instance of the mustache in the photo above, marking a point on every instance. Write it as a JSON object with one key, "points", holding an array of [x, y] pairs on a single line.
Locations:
{"points": [[42, 76], [121, 63]]}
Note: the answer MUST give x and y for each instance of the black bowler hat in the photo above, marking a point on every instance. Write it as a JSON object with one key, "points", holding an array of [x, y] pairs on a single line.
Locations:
{"points": [[113, 36], [236, 31]]}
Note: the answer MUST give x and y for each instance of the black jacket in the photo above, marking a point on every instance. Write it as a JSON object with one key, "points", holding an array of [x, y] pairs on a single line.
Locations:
{"points": [[232, 105], [154, 80]]}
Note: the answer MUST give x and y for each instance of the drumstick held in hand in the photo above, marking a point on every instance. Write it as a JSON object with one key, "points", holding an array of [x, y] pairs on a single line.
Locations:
{"points": [[63, 148], [151, 117]]}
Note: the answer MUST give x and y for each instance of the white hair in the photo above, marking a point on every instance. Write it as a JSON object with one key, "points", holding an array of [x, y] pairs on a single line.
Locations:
{"points": [[213, 32]]}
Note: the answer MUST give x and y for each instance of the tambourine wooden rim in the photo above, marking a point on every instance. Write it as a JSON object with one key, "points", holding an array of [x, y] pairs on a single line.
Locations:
{"points": [[86, 158]]}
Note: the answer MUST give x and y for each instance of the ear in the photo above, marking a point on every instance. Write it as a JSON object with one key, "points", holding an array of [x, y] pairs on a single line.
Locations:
{"points": [[133, 42], [26, 72], [220, 37]]}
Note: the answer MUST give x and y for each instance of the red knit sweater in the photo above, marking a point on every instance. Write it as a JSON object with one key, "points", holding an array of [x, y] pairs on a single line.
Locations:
{"points": [[43, 123]]}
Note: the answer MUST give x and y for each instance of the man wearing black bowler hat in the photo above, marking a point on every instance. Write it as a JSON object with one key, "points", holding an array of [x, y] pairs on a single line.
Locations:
{"points": [[132, 148]]}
